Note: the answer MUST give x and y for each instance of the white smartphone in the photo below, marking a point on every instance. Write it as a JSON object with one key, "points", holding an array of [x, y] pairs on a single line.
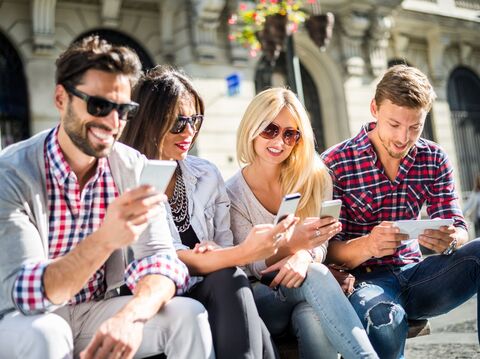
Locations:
{"points": [[415, 227], [158, 174], [331, 208], [289, 205]]}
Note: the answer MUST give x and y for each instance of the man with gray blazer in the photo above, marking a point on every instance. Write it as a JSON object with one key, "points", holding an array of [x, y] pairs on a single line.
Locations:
{"points": [[70, 206]]}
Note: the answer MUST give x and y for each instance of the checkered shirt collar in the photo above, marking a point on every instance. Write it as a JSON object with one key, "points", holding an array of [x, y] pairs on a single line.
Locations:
{"points": [[59, 167], [363, 143]]}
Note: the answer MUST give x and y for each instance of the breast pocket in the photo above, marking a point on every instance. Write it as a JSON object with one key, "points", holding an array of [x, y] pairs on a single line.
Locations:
{"points": [[359, 205], [414, 200]]}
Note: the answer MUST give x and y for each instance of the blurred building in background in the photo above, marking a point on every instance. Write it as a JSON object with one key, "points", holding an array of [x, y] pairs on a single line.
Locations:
{"points": [[441, 37]]}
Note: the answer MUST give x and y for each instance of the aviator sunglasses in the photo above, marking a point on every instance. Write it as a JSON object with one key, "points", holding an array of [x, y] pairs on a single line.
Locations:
{"points": [[290, 135], [181, 122], [101, 107]]}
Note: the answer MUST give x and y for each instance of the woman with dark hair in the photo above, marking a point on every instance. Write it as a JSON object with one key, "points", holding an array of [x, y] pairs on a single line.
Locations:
{"points": [[165, 127]]}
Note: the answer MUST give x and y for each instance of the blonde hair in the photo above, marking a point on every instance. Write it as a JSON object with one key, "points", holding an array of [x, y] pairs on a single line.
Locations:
{"points": [[303, 171]]}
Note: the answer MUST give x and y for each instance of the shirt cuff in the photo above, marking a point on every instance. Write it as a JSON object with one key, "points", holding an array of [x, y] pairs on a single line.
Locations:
{"points": [[164, 264], [29, 293]]}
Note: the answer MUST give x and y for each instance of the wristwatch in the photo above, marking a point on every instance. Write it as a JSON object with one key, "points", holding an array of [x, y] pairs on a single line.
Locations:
{"points": [[451, 248]]}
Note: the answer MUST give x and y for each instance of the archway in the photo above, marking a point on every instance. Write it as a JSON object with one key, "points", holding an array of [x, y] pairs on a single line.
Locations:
{"points": [[117, 38], [463, 94], [14, 105]]}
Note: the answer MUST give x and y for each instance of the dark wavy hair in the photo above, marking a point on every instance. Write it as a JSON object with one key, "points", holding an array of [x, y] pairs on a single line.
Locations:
{"points": [[95, 53], [159, 93]]}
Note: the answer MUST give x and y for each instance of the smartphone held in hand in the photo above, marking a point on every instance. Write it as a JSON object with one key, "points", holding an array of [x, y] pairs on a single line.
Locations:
{"points": [[288, 206], [158, 173], [331, 208]]}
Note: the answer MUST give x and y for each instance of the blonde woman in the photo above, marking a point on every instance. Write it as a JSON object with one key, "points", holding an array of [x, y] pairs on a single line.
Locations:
{"points": [[275, 143]]}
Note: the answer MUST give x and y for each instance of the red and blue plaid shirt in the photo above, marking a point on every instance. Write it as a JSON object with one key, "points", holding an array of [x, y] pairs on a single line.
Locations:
{"points": [[369, 197], [73, 215]]}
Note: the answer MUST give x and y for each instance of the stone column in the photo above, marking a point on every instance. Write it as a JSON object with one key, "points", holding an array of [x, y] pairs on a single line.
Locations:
{"points": [[206, 26], [111, 12], [354, 25], [43, 24], [437, 44], [378, 43], [168, 9]]}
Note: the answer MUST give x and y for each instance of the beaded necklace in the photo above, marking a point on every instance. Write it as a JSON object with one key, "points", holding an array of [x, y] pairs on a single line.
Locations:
{"points": [[179, 203]]}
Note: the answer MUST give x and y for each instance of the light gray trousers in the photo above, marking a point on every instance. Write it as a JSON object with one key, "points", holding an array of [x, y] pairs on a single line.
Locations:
{"points": [[180, 330]]}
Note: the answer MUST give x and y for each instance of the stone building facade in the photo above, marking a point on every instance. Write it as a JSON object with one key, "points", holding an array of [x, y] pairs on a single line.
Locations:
{"points": [[441, 37]]}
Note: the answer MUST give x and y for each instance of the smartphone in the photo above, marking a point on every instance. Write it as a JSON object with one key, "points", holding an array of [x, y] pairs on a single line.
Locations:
{"points": [[331, 208], [158, 174], [288, 206], [267, 278]]}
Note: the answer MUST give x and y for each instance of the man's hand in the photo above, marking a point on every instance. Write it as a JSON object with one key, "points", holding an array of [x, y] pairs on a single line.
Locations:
{"points": [[264, 240], [127, 217], [293, 270], [384, 239], [313, 232], [438, 240], [116, 338]]}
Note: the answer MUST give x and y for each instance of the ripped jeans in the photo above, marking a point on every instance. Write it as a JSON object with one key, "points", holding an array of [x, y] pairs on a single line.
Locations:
{"points": [[387, 297], [323, 320]]}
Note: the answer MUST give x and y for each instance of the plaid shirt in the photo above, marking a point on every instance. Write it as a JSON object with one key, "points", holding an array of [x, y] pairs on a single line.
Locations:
{"points": [[369, 197], [73, 215]]}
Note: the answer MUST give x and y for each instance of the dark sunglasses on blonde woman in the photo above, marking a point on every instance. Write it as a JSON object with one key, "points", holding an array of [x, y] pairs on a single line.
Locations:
{"points": [[290, 135], [181, 122]]}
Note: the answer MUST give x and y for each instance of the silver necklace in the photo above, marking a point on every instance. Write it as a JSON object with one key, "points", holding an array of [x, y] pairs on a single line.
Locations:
{"points": [[179, 203]]}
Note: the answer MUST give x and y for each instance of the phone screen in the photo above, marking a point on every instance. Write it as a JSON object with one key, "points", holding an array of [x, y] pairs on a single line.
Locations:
{"points": [[331, 208], [288, 206], [158, 174]]}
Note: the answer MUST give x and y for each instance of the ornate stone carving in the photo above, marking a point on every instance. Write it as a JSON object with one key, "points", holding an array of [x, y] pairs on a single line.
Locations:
{"points": [[378, 43], [354, 25], [111, 12], [207, 22], [43, 15], [437, 43]]}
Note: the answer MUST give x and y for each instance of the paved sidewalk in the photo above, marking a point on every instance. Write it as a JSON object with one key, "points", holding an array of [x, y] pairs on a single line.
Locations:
{"points": [[453, 336]]}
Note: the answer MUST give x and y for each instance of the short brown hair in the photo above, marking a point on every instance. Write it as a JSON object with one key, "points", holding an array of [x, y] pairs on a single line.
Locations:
{"points": [[159, 93], [95, 53], [405, 86]]}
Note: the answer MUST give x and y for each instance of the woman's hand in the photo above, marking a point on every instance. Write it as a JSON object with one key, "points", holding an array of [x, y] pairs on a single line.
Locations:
{"points": [[313, 232], [205, 246], [264, 240], [292, 270]]}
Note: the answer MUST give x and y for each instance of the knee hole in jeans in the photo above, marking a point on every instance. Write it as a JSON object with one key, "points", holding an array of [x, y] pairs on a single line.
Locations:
{"points": [[384, 314]]}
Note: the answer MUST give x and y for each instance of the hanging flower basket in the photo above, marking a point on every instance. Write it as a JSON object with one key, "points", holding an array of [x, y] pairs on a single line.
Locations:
{"points": [[264, 25], [320, 29], [272, 36]]}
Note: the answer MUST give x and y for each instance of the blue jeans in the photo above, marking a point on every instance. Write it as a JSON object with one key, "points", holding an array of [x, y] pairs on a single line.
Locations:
{"points": [[323, 319], [386, 297]]}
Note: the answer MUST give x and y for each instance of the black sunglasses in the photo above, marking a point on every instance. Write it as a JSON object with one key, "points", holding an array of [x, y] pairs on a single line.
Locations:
{"points": [[290, 135], [181, 122], [101, 107]]}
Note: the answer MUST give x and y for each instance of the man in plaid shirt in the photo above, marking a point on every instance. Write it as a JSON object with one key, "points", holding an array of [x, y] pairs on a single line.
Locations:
{"points": [[70, 206], [386, 173]]}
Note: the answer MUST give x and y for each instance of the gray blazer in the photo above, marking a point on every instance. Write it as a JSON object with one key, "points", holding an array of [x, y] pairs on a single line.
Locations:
{"points": [[24, 214]]}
